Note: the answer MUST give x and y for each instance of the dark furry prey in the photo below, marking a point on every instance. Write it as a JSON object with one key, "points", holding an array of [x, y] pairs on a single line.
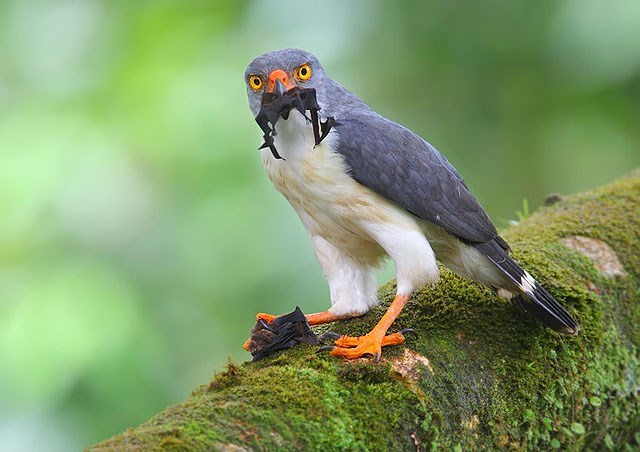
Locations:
{"points": [[283, 332]]}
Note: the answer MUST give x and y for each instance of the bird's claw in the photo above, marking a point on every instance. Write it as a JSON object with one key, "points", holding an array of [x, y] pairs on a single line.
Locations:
{"points": [[265, 325], [330, 335], [355, 347], [409, 331], [326, 348]]}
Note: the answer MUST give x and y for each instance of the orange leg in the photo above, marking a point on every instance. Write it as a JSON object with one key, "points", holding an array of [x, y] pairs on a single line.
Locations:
{"points": [[326, 317], [372, 343], [317, 318]]}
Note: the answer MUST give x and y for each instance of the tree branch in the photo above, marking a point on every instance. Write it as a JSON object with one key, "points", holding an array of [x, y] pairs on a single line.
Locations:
{"points": [[481, 374]]}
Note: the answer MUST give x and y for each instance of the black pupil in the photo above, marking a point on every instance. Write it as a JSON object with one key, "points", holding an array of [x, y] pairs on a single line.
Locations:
{"points": [[256, 81], [303, 72]]}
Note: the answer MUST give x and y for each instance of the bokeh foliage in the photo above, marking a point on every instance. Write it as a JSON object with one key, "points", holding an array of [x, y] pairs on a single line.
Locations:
{"points": [[138, 233]]}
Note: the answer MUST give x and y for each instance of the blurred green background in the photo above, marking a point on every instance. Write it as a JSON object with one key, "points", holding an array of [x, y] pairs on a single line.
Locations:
{"points": [[138, 232]]}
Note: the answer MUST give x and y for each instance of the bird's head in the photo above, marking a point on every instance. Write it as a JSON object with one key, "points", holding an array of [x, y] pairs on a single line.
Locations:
{"points": [[275, 73]]}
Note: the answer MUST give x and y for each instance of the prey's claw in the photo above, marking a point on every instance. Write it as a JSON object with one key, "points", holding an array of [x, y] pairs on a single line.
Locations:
{"points": [[326, 348], [330, 335]]}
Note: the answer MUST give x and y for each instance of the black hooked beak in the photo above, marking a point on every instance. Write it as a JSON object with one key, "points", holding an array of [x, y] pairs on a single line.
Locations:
{"points": [[278, 88]]}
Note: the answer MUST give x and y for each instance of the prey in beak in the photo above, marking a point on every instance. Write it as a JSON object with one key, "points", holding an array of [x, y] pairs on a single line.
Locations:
{"points": [[281, 97]]}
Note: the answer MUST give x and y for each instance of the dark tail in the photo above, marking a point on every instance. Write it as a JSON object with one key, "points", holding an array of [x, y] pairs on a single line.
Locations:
{"points": [[533, 297]]}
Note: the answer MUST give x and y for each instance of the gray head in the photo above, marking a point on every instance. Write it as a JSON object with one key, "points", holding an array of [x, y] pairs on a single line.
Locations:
{"points": [[281, 70]]}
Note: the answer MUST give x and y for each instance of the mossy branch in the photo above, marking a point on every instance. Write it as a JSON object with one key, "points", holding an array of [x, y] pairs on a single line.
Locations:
{"points": [[481, 374]]}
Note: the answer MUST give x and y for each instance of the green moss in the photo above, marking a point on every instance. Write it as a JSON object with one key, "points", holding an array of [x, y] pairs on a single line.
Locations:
{"points": [[499, 379]]}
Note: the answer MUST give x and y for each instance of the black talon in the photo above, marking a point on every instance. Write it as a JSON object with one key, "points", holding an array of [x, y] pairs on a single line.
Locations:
{"points": [[408, 331], [266, 326], [326, 348], [330, 335], [377, 357]]}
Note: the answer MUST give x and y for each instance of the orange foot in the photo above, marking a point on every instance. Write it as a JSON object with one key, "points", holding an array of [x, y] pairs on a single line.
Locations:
{"points": [[371, 344], [266, 317]]}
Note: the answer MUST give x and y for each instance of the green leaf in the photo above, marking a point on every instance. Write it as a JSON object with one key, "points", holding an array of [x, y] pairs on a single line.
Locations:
{"points": [[528, 415], [595, 401], [566, 431], [577, 428], [555, 444], [608, 442]]}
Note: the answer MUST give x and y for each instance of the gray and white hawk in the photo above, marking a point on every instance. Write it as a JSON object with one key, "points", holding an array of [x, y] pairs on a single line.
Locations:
{"points": [[366, 188]]}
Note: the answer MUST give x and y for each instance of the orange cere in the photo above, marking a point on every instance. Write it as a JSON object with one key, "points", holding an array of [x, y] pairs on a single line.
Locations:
{"points": [[284, 78]]}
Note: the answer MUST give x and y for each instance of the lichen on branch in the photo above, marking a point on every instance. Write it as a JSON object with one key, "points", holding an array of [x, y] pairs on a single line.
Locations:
{"points": [[480, 374]]}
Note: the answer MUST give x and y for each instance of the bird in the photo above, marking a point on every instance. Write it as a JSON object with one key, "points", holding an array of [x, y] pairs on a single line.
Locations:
{"points": [[367, 189]]}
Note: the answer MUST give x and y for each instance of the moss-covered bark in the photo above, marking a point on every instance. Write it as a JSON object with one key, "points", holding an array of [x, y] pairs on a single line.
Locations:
{"points": [[481, 374]]}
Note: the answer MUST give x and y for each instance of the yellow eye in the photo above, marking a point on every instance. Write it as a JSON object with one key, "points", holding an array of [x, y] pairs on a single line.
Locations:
{"points": [[256, 82], [303, 72]]}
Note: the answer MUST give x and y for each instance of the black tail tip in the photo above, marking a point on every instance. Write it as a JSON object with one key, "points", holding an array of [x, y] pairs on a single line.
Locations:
{"points": [[560, 321]]}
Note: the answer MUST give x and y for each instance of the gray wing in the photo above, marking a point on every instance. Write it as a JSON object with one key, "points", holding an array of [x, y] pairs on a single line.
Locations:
{"points": [[399, 165]]}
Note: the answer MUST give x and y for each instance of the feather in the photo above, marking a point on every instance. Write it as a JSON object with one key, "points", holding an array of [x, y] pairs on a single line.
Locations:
{"points": [[399, 165], [533, 297]]}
